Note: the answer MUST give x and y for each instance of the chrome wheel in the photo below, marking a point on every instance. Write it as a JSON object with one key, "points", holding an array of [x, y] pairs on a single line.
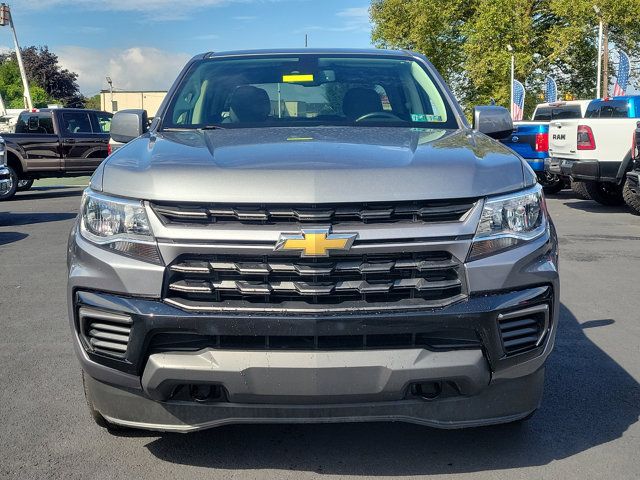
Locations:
{"points": [[10, 186]]}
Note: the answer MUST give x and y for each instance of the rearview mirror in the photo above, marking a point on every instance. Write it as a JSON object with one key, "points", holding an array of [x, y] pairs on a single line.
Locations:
{"points": [[493, 121], [127, 125]]}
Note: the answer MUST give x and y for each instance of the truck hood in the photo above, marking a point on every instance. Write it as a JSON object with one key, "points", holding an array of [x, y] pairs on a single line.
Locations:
{"points": [[312, 165]]}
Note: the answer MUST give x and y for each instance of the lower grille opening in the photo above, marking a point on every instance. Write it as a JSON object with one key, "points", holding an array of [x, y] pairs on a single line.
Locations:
{"points": [[523, 330], [104, 332], [433, 390], [439, 340], [201, 393]]}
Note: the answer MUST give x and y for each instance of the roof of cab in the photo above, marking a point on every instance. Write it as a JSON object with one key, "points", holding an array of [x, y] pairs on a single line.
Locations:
{"points": [[306, 51]]}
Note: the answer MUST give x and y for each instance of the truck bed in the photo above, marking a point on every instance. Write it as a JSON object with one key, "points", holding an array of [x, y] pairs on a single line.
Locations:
{"points": [[524, 139]]}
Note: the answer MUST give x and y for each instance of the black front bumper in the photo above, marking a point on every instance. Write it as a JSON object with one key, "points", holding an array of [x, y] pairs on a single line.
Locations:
{"points": [[584, 170], [474, 318]]}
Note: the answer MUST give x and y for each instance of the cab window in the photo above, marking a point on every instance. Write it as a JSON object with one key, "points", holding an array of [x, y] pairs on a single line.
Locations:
{"points": [[76, 122], [608, 109], [103, 121], [35, 123]]}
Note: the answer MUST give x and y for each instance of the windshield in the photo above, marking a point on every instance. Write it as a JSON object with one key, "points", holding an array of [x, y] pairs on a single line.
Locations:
{"points": [[312, 90]]}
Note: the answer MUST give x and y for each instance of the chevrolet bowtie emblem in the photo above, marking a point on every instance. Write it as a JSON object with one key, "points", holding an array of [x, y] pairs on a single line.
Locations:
{"points": [[316, 242]]}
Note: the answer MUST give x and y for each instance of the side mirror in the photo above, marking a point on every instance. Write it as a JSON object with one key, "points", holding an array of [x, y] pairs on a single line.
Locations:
{"points": [[127, 125], [492, 121]]}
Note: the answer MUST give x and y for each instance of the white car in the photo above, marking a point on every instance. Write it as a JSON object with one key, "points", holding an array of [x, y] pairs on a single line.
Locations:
{"points": [[597, 148]]}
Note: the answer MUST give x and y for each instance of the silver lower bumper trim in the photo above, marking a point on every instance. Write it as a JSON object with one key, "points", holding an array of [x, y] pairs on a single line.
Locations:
{"points": [[294, 377]]}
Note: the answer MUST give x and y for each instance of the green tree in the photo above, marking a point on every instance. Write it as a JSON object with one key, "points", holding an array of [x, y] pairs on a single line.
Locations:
{"points": [[93, 102], [48, 82], [467, 41]]}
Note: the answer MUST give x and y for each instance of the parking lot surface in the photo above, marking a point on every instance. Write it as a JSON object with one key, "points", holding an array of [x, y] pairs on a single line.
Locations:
{"points": [[586, 428]]}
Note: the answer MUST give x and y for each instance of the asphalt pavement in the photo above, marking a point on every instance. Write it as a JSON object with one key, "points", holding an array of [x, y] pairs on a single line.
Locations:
{"points": [[586, 428]]}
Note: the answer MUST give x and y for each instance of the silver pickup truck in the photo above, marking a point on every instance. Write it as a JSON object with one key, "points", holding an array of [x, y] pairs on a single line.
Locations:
{"points": [[312, 236]]}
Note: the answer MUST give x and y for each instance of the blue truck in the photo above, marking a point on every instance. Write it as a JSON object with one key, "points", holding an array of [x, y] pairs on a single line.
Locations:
{"points": [[530, 139]]}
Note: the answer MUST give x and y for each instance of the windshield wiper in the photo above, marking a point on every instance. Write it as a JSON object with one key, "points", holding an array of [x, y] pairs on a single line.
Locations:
{"points": [[212, 127]]}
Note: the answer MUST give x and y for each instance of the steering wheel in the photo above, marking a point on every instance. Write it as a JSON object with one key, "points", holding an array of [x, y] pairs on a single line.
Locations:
{"points": [[388, 115]]}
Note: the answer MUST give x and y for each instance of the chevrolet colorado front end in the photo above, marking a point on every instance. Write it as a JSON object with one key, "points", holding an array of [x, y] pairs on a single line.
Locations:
{"points": [[312, 236]]}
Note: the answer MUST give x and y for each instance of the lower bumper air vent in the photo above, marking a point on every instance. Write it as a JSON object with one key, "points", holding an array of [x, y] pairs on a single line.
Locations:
{"points": [[104, 332], [523, 330]]}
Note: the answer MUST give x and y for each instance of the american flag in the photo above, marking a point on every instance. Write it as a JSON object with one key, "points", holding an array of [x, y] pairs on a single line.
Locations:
{"points": [[517, 109], [551, 90], [622, 81]]}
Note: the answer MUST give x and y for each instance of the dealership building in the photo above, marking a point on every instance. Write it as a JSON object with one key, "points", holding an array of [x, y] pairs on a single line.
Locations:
{"points": [[125, 99]]}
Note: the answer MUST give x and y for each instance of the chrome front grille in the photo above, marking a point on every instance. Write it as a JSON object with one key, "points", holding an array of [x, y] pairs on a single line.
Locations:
{"points": [[415, 211], [424, 278]]}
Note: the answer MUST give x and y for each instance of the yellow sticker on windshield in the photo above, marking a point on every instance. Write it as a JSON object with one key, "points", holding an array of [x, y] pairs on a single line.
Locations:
{"points": [[294, 78]]}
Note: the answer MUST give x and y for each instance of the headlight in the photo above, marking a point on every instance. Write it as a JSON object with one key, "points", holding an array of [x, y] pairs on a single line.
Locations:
{"points": [[118, 224], [508, 221]]}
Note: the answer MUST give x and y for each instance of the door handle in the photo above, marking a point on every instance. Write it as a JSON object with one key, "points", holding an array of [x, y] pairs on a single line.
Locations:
{"points": [[69, 140]]}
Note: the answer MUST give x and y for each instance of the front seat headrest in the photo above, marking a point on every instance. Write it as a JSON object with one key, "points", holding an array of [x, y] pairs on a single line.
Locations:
{"points": [[250, 104], [359, 101]]}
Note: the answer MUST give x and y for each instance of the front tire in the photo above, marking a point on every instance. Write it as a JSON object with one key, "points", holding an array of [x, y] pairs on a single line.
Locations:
{"points": [[13, 186], [631, 198], [25, 184], [580, 190], [550, 183], [605, 193]]}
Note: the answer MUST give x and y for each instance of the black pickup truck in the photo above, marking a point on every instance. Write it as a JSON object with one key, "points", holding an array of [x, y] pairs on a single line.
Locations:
{"points": [[60, 142]]}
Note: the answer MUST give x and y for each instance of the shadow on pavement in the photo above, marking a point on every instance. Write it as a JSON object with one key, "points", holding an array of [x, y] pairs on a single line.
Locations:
{"points": [[10, 237], [568, 198], [48, 192], [593, 206], [589, 400], [28, 218]]}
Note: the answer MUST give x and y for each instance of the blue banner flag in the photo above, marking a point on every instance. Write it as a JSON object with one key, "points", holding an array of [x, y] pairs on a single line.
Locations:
{"points": [[550, 90]]}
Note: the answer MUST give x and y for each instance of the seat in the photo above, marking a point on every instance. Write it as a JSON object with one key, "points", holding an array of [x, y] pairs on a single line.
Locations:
{"points": [[249, 104], [360, 101]]}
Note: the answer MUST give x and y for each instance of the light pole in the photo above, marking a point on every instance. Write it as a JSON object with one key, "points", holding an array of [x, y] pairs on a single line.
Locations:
{"points": [[110, 82], [599, 13], [513, 67], [7, 19]]}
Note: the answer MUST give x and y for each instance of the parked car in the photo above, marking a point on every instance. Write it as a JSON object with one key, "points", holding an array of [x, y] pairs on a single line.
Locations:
{"points": [[312, 236], [7, 184], [631, 191], [530, 139], [59, 142], [597, 148]]}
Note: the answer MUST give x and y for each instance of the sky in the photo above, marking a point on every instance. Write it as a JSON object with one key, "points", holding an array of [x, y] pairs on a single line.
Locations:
{"points": [[143, 44]]}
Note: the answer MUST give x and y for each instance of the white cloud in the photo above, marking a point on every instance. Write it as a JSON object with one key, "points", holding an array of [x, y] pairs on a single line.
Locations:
{"points": [[124, 5], [360, 14], [157, 10], [136, 68], [354, 19]]}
